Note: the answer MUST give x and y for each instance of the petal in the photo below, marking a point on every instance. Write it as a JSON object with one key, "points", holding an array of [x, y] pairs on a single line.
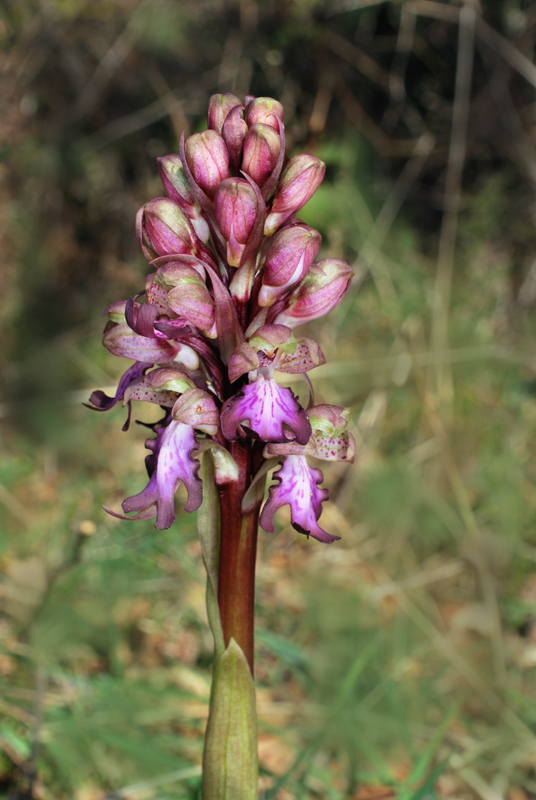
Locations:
{"points": [[298, 487], [244, 359], [101, 402], [172, 463], [122, 341], [273, 413]]}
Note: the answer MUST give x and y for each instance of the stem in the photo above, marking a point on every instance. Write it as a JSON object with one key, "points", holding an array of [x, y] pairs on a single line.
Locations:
{"points": [[238, 551]]}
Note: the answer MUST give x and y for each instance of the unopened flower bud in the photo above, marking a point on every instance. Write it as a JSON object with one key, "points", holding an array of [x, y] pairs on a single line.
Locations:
{"points": [[208, 160], [319, 292], [219, 106], [291, 253], [261, 149], [162, 228], [265, 110], [235, 206], [299, 181], [233, 132], [177, 188]]}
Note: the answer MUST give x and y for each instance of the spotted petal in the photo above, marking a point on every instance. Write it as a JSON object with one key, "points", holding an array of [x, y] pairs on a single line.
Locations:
{"points": [[298, 487], [101, 402]]}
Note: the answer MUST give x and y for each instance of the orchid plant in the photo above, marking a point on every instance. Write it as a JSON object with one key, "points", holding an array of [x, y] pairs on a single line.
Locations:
{"points": [[233, 273]]}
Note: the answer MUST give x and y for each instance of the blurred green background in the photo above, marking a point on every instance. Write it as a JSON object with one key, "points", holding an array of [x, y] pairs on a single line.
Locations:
{"points": [[396, 663]]}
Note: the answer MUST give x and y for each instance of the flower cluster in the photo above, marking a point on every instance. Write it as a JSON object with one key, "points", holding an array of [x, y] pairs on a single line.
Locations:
{"points": [[233, 272]]}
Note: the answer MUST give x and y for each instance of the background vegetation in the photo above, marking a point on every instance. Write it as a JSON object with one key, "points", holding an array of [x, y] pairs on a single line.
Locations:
{"points": [[400, 661]]}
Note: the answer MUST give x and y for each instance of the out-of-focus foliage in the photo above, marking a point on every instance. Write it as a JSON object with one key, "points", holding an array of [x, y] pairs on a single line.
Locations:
{"points": [[400, 661]]}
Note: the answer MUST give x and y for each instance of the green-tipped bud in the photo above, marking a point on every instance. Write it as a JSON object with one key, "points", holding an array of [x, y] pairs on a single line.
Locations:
{"points": [[208, 160], [265, 110], [320, 291], [178, 189], [299, 181], [261, 150], [163, 229], [219, 106], [291, 253]]}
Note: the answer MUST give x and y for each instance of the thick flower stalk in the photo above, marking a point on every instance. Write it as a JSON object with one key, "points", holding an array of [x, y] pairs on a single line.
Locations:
{"points": [[232, 274]]}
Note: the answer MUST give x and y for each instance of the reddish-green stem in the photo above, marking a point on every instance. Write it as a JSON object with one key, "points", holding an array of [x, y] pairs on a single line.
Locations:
{"points": [[238, 551]]}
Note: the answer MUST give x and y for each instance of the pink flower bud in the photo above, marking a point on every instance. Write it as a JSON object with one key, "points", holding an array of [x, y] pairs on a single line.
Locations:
{"points": [[178, 189], [265, 110], [261, 149], [299, 181], [291, 253], [319, 292], [162, 228], [234, 131], [219, 106], [208, 160], [175, 182], [235, 206]]}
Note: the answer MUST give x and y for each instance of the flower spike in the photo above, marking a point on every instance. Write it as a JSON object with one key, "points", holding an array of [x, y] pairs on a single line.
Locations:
{"points": [[233, 273]]}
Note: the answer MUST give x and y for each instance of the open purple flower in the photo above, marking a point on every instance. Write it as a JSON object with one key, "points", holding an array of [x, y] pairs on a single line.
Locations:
{"points": [[170, 463], [272, 411], [298, 487]]}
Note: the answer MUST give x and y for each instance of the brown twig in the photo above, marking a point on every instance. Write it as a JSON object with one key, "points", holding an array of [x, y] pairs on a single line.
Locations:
{"points": [[449, 226]]}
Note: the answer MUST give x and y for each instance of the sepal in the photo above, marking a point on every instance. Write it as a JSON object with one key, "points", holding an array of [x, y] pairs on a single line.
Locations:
{"points": [[116, 311], [244, 359], [121, 340], [196, 407]]}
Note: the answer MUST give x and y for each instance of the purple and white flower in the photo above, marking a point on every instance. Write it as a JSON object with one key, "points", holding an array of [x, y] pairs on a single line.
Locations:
{"points": [[170, 463], [272, 412], [298, 487]]}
